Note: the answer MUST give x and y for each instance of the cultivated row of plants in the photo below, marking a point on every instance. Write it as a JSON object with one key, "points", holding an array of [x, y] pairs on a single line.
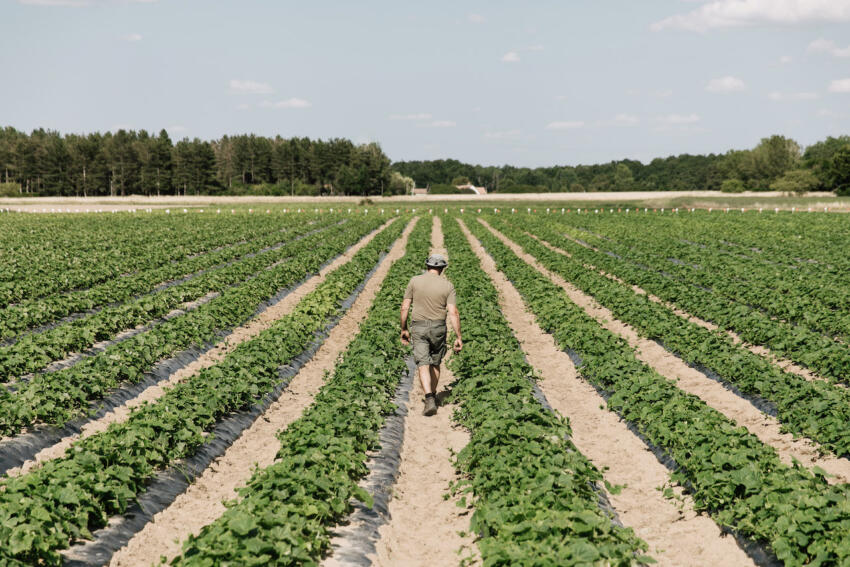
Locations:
{"points": [[47, 254], [34, 351], [814, 409], [731, 475], [535, 495], [285, 512], [56, 397], [64, 500], [784, 292], [31, 313], [826, 356]]}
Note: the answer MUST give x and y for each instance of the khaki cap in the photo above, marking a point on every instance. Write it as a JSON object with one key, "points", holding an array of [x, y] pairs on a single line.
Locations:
{"points": [[436, 261]]}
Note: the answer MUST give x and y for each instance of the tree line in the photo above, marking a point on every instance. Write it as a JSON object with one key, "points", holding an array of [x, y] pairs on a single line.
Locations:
{"points": [[130, 162], [776, 163]]}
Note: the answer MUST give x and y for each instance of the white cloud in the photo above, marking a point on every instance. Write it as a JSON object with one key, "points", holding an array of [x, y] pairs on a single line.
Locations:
{"points": [[132, 37], [287, 103], [243, 106], [778, 96], [821, 45], [678, 119], [475, 18], [535, 47], [727, 84], [249, 87], [565, 125], [510, 57], [623, 119], [737, 13], [786, 59], [412, 116], [442, 124], [840, 86], [177, 129], [662, 93]]}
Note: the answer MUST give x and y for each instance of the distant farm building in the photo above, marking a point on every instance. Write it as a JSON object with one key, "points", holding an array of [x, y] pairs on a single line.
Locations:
{"points": [[473, 188], [420, 191]]}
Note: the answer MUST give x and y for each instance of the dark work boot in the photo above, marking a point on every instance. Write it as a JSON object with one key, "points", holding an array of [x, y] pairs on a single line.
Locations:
{"points": [[430, 405]]}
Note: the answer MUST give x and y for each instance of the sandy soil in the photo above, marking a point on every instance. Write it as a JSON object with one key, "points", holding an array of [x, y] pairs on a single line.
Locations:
{"points": [[239, 335], [783, 363], [424, 529], [739, 410], [202, 503], [676, 536]]}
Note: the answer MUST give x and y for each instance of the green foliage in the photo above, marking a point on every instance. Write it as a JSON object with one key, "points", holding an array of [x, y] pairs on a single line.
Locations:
{"points": [[533, 492], [135, 162], [286, 510], [55, 397], [444, 189], [10, 189], [51, 507], [732, 186], [732, 476], [798, 181], [839, 171]]}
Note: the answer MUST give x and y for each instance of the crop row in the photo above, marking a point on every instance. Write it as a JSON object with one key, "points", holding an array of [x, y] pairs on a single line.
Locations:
{"points": [[56, 397], [534, 493], [33, 352], [286, 510], [815, 409], [732, 476], [31, 313], [805, 300], [63, 501], [51, 255]]}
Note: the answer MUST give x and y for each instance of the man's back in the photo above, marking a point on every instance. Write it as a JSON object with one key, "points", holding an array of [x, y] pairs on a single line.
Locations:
{"points": [[430, 294]]}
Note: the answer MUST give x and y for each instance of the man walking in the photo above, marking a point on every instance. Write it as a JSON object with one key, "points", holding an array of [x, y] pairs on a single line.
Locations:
{"points": [[433, 298]]}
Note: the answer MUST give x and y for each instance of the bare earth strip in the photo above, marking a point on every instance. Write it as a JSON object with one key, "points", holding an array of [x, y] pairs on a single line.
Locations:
{"points": [[241, 334], [784, 364], [202, 503], [675, 536], [739, 410], [424, 529]]}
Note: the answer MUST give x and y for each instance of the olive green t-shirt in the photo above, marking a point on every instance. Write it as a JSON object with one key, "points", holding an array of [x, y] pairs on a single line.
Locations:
{"points": [[430, 294]]}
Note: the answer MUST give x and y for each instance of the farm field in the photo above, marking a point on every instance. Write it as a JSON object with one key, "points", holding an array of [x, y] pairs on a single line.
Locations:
{"points": [[229, 388]]}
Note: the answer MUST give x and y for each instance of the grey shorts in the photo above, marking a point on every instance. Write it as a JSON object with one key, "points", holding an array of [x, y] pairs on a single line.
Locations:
{"points": [[429, 342]]}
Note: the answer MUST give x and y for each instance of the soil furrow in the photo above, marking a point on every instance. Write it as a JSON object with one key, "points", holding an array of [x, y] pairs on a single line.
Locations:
{"points": [[764, 352], [713, 393], [203, 501], [675, 533], [239, 335], [425, 528]]}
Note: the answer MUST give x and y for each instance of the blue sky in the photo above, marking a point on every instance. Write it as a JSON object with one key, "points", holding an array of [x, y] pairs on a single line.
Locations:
{"points": [[526, 83]]}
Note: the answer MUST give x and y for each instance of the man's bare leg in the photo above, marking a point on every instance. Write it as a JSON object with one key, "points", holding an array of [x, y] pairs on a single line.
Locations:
{"points": [[426, 380], [435, 376]]}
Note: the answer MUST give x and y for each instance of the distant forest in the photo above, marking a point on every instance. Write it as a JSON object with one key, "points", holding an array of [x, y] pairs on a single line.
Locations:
{"points": [[128, 162], [776, 163]]}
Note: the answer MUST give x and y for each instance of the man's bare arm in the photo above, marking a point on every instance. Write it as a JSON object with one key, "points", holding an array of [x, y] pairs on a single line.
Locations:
{"points": [[454, 318], [405, 309]]}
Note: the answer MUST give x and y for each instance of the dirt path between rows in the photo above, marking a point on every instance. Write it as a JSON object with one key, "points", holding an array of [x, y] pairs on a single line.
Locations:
{"points": [[239, 335], [764, 352], [424, 529], [675, 537], [692, 381], [203, 501]]}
